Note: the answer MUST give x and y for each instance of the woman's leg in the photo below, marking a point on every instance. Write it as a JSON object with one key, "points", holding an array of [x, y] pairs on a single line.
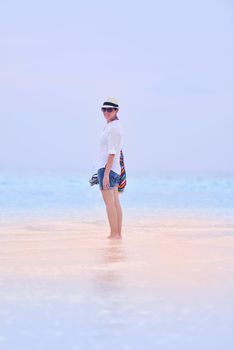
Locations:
{"points": [[109, 199], [118, 209]]}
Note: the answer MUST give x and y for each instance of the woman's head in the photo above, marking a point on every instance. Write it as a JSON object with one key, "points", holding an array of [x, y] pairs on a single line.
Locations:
{"points": [[110, 108]]}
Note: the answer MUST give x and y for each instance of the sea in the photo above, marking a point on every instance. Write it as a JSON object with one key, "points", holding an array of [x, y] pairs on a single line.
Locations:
{"points": [[52, 194]]}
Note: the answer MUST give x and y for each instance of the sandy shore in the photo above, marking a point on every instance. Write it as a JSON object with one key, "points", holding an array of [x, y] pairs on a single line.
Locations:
{"points": [[168, 282]]}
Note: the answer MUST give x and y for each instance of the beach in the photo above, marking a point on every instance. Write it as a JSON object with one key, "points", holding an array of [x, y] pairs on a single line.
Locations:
{"points": [[168, 284], [142, 92]]}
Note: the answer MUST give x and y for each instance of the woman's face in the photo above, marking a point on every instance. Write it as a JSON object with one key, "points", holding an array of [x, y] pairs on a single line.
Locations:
{"points": [[110, 115]]}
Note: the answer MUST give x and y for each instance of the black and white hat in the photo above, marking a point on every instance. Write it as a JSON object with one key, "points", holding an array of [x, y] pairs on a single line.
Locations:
{"points": [[111, 103]]}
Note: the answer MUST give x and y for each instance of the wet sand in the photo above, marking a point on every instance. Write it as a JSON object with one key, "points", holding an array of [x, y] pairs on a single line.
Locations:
{"points": [[168, 284]]}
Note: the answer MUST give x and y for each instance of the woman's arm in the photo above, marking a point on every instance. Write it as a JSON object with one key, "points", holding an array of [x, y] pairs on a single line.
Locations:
{"points": [[109, 163], [114, 138]]}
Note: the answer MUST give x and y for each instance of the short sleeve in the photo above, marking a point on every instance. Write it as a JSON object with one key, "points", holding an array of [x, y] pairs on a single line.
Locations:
{"points": [[114, 140]]}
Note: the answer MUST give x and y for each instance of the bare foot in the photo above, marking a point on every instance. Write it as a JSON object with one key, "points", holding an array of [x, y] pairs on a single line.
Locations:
{"points": [[114, 236]]}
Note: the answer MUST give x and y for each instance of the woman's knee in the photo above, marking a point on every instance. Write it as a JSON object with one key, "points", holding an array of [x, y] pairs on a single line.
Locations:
{"points": [[116, 198], [108, 197]]}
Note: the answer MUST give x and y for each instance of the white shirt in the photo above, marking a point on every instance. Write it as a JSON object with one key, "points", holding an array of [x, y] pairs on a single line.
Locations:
{"points": [[110, 142]]}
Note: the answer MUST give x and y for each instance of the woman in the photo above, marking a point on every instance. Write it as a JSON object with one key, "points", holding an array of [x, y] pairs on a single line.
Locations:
{"points": [[109, 166]]}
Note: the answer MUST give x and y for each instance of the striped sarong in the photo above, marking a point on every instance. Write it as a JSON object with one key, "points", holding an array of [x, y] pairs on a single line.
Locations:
{"points": [[123, 179]]}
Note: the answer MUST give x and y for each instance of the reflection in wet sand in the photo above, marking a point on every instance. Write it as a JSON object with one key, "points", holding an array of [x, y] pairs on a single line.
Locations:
{"points": [[114, 252], [109, 279]]}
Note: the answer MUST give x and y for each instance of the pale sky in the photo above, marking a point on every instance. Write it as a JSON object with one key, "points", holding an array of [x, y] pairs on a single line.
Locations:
{"points": [[168, 63]]}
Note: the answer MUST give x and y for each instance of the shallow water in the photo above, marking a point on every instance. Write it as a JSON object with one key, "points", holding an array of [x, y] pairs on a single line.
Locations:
{"points": [[167, 285]]}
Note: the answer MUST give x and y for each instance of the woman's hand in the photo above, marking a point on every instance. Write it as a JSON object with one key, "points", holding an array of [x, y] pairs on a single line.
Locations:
{"points": [[106, 183]]}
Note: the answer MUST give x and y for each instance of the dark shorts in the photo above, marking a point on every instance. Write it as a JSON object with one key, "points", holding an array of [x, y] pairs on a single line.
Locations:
{"points": [[114, 178]]}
